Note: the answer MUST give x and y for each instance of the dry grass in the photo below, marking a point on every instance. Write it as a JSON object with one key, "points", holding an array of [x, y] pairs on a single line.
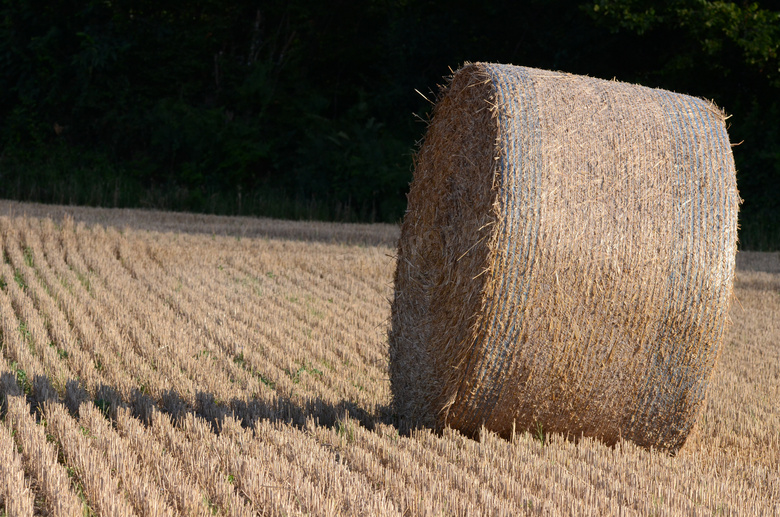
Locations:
{"points": [[183, 372]]}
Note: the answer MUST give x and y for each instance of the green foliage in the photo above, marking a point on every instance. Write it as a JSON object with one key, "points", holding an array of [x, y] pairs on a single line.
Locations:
{"points": [[306, 109], [85, 282], [62, 353], [19, 279], [758, 172], [345, 431], [304, 367], [28, 257], [729, 33], [21, 378], [204, 107], [24, 332], [539, 434], [211, 505], [266, 380]]}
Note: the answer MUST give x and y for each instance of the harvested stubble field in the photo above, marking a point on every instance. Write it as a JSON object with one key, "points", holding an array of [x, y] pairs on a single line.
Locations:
{"points": [[172, 364]]}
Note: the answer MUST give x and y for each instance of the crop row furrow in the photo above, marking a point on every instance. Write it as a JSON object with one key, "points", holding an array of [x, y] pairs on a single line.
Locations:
{"points": [[190, 316], [110, 289], [153, 371], [583, 477], [353, 310], [172, 335], [32, 328], [312, 353], [520, 470], [250, 471], [74, 370], [520, 478], [303, 467], [201, 462], [90, 464], [18, 351], [98, 363], [236, 307], [111, 358], [315, 330], [173, 477], [283, 271], [41, 459], [128, 306], [15, 494], [363, 278], [354, 268], [390, 463], [230, 357], [139, 485], [241, 306], [331, 320]]}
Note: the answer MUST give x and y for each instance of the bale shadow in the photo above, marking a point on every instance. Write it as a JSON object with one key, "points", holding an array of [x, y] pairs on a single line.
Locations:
{"points": [[278, 408]]}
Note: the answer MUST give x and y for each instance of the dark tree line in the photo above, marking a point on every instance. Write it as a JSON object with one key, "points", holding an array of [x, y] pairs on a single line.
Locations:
{"points": [[303, 108]]}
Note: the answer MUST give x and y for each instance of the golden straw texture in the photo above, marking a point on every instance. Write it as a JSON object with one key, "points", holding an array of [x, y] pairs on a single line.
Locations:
{"points": [[566, 260]]}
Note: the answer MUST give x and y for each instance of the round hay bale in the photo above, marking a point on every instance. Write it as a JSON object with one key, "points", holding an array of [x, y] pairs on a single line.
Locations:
{"points": [[566, 259]]}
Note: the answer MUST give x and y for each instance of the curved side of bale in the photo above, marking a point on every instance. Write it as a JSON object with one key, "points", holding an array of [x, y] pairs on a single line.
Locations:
{"points": [[566, 259]]}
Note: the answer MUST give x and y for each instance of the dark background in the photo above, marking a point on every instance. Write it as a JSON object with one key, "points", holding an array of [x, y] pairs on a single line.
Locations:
{"points": [[307, 109]]}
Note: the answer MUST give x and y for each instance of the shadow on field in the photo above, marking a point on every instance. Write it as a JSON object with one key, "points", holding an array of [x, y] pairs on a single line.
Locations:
{"points": [[378, 234], [278, 409], [758, 261], [758, 271], [8, 386]]}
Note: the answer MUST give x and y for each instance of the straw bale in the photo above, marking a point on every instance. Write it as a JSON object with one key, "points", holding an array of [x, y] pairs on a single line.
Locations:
{"points": [[566, 260]]}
